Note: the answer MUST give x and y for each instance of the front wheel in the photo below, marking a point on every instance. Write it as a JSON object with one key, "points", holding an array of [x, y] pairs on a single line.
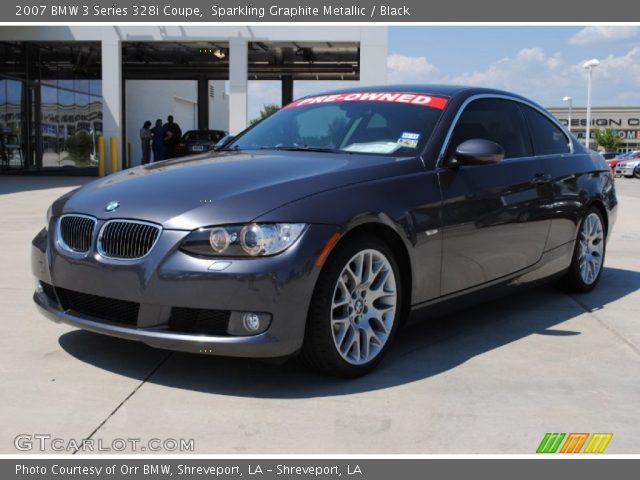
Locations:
{"points": [[588, 256], [355, 309]]}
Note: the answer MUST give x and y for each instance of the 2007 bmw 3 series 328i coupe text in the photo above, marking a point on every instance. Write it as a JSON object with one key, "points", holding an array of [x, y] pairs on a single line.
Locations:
{"points": [[320, 229]]}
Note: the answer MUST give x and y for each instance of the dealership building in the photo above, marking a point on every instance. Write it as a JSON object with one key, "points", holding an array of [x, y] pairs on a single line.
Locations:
{"points": [[624, 121], [61, 87]]}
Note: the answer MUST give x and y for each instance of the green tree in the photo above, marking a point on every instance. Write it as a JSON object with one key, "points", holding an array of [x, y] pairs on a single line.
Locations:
{"points": [[607, 139], [268, 109]]}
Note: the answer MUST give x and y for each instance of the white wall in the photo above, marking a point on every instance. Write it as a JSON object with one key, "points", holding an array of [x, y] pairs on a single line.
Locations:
{"points": [[185, 113], [373, 56], [152, 99], [218, 105]]}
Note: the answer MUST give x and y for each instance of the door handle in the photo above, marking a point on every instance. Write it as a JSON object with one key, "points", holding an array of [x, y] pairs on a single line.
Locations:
{"points": [[541, 178]]}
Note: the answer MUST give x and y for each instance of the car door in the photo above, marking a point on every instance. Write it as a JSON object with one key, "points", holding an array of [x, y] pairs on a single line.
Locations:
{"points": [[494, 217]]}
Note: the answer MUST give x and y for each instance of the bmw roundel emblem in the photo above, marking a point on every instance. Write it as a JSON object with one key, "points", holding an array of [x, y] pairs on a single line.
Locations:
{"points": [[111, 206]]}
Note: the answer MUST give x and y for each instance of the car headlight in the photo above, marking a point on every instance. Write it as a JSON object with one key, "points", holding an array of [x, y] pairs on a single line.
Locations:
{"points": [[253, 240]]}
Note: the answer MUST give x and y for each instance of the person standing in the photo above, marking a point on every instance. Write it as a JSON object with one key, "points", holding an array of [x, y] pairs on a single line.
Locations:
{"points": [[160, 137], [171, 144], [145, 139]]}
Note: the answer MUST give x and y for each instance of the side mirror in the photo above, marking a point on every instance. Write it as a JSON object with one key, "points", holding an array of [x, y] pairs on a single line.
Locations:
{"points": [[477, 151], [223, 142]]}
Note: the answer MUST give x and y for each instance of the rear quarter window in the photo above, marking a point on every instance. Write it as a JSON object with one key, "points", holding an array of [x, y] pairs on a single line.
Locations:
{"points": [[547, 137]]}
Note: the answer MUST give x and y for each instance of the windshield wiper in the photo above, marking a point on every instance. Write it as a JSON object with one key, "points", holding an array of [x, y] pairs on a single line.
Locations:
{"points": [[226, 148], [305, 148]]}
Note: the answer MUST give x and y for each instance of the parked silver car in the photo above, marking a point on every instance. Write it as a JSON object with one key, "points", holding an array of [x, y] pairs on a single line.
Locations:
{"points": [[626, 168]]}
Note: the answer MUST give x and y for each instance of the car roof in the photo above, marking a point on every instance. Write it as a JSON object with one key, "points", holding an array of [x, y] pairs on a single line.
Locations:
{"points": [[430, 89]]}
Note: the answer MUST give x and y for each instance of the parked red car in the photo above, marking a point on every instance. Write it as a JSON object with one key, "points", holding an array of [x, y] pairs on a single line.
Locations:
{"points": [[614, 161], [623, 157]]}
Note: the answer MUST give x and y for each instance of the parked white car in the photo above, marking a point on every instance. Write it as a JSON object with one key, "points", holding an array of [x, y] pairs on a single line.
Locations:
{"points": [[626, 168]]}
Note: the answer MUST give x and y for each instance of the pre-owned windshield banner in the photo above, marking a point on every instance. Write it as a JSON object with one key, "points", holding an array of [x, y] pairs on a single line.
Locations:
{"points": [[390, 97], [291, 11]]}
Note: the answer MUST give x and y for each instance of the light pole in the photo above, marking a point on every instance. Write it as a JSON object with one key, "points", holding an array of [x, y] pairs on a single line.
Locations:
{"points": [[570, 100], [589, 65]]}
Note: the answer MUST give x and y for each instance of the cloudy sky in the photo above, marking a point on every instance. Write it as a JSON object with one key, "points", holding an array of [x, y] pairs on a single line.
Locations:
{"points": [[542, 63]]}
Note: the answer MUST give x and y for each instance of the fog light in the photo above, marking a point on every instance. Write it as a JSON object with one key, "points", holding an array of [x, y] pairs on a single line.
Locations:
{"points": [[248, 323], [39, 288], [251, 322]]}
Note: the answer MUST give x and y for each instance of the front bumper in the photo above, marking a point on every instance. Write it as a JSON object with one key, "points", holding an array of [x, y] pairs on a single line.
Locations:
{"points": [[624, 171], [167, 279]]}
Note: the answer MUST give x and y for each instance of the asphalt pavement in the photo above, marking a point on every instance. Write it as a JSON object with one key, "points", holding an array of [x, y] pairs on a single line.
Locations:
{"points": [[492, 379]]}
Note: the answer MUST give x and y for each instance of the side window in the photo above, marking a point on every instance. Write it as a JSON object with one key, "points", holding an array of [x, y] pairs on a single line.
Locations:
{"points": [[493, 119], [547, 137]]}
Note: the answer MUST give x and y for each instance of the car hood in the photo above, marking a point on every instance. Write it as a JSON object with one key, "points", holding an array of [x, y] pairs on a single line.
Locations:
{"points": [[226, 187], [630, 163]]}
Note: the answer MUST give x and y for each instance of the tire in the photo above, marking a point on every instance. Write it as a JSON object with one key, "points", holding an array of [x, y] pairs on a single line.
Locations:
{"points": [[636, 172], [589, 250], [348, 335]]}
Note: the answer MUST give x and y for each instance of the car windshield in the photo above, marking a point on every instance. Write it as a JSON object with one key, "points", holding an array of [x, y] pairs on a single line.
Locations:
{"points": [[384, 123]]}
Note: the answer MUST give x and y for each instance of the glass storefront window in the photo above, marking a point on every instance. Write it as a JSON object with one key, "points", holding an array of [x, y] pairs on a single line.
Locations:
{"points": [[71, 123], [50, 119], [54, 119], [95, 87], [11, 117]]}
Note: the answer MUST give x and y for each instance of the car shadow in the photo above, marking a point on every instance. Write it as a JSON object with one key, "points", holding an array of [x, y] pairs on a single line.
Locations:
{"points": [[420, 351]]}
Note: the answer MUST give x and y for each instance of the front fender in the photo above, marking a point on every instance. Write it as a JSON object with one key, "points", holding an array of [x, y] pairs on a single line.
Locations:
{"points": [[409, 205]]}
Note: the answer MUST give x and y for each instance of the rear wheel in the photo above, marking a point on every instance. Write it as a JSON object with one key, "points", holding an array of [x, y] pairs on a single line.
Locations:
{"points": [[588, 256], [355, 309]]}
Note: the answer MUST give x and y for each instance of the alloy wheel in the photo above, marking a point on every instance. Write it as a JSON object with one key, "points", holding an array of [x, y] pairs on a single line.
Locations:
{"points": [[591, 248], [364, 306]]}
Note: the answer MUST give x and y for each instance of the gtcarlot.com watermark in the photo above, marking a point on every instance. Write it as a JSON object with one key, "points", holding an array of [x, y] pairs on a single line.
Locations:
{"points": [[42, 442]]}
